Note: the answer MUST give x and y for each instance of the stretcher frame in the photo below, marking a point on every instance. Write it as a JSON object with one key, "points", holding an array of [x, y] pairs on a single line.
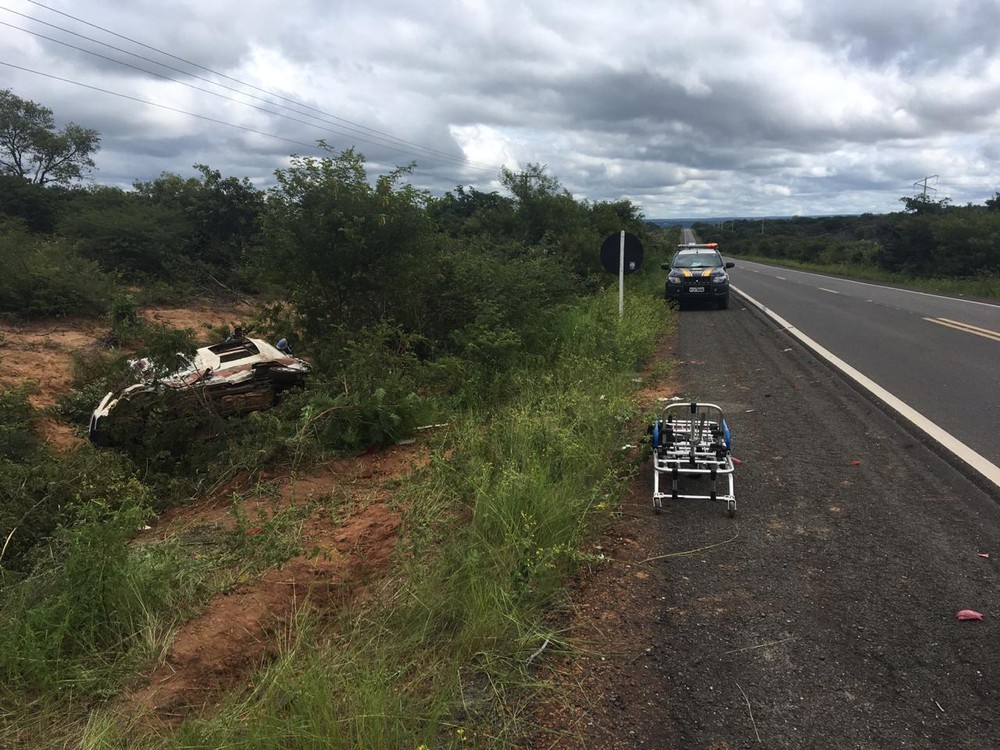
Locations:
{"points": [[691, 442]]}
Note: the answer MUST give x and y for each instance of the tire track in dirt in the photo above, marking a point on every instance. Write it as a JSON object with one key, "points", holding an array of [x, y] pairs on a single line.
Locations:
{"points": [[239, 631]]}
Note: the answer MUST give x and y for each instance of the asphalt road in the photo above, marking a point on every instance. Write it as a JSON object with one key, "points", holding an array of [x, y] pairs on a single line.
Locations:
{"points": [[824, 615], [939, 355]]}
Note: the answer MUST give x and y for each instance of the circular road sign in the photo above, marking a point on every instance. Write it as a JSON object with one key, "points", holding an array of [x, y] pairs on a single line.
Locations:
{"points": [[611, 250]]}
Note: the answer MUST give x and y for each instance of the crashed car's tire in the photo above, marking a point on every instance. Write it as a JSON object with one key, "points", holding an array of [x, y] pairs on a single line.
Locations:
{"points": [[245, 399]]}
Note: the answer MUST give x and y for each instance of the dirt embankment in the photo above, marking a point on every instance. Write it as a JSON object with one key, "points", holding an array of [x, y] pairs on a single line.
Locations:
{"points": [[239, 630], [40, 353]]}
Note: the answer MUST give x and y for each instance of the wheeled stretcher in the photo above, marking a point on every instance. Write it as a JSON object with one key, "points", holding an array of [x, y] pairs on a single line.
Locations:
{"points": [[691, 445]]}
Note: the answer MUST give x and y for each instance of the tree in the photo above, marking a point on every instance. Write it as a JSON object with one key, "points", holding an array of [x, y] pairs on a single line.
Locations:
{"points": [[36, 206], [223, 212], [921, 205], [538, 196], [349, 252], [468, 212], [31, 148], [126, 235], [993, 204]]}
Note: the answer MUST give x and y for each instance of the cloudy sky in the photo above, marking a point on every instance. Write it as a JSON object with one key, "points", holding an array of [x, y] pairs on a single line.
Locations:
{"points": [[689, 108]]}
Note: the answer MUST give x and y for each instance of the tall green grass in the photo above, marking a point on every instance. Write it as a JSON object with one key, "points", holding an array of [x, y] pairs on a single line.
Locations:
{"points": [[441, 657], [494, 528]]}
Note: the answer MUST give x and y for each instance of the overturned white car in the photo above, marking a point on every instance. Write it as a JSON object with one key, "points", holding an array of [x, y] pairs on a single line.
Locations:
{"points": [[237, 376]]}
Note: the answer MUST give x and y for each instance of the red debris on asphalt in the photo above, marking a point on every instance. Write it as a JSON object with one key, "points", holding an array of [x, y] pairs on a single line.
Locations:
{"points": [[855, 463], [968, 614]]}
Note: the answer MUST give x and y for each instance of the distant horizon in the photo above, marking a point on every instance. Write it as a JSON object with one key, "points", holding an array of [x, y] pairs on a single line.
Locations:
{"points": [[687, 221]]}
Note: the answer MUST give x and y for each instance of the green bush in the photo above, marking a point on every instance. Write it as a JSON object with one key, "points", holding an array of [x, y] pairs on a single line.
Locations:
{"points": [[85, 603], [45, 277], [35, 205], [77, 406], [124, 317], [18, 439], [39, 496], [351, 421], [126, 236]]}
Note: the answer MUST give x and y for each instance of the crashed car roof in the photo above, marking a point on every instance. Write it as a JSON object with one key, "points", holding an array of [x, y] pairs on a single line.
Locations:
{"points": [[232, 360], [242, 351]]}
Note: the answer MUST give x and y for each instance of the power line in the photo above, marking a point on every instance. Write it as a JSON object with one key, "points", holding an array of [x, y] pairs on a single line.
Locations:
{"points": [[439, 155], [190, 114], [350, 125], [207, 91], [126, 52], [156, 104]]}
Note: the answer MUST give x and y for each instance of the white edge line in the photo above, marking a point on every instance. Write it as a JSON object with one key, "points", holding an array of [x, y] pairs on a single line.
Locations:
{"points": [[989, 470], [878, 286]]}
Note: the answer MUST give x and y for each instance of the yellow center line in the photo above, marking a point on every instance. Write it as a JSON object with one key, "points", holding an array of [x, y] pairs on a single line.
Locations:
{"points": [[986, 333]]}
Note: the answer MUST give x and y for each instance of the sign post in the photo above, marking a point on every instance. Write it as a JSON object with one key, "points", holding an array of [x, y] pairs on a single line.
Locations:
{"points": [[621, 278], [621, 253]]}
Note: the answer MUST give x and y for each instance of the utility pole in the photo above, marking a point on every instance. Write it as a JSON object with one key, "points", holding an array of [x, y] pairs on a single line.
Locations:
{"points": [[924, 183]]}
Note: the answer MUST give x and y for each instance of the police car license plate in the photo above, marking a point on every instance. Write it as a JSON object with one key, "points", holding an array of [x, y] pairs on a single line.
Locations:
{"points": [[694, 289]]}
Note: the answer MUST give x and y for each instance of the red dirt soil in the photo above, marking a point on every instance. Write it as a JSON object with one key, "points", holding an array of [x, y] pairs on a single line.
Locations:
{"points": [[40, 353], [238, 631], [241, 630]]}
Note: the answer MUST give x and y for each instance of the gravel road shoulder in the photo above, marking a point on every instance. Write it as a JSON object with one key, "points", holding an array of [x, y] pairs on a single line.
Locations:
{"points": [[823, 615]]}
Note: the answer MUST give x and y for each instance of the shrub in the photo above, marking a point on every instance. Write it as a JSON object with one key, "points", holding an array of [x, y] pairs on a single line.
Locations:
{"points": [[349, 421], [86, 602], [17, 433], [45, 277], [39, 496]]}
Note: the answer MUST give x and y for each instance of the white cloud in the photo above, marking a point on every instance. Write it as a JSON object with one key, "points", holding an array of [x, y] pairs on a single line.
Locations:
{"points": [[710, 107]]}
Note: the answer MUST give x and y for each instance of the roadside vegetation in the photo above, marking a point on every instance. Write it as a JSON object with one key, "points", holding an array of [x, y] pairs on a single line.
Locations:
{"points": [[487, 313], [931, 245]]}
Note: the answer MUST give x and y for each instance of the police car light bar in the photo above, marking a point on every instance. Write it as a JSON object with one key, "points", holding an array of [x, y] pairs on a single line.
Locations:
{"points": [[712, 245]]}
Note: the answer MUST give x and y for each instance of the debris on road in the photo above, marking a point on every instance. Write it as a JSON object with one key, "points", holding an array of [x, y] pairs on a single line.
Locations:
{"points": [[968, 614]]}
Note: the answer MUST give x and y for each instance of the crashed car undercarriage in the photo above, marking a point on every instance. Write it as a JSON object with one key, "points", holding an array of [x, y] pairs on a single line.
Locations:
{"points": [[237, 376]]}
